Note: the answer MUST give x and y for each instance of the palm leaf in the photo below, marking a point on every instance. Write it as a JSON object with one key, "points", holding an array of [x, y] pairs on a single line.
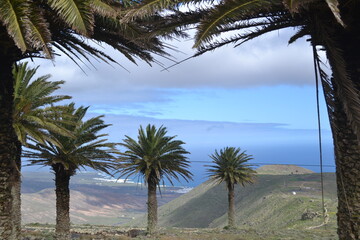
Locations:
{"points": [[14, 15], [39, 35], [334, 7], [76, 13], [225, 14], [146, 8], [230, 166], [104, 8], [33, 110], [154, 157], [85, 148], [345, 88]]}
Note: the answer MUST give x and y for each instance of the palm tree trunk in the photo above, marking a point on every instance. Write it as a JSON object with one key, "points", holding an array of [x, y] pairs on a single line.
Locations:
{"points": [[347, 155], [9, 157], [16, 192], [152, 207], [62, 180], [231, 200], [346, 142]]}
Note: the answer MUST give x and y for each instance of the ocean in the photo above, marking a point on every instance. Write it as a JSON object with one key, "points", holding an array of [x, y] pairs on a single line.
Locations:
{"points": [[306, 156]]}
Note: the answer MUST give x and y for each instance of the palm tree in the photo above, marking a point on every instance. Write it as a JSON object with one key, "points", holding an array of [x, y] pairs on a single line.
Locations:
{"points": [[332, 26], [87, 148], [32, 116], [39, 28], [230, 167], [154, 157]]}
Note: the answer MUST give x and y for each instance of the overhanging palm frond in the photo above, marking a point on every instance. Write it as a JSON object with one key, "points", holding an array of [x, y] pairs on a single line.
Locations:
{"points": [[303, 31], [35, 27], [106, 8], [39, 35], [76, 13], [226, 13], [334, 7], [346, 89], [14, 15], [146, 8], [328, 88]]}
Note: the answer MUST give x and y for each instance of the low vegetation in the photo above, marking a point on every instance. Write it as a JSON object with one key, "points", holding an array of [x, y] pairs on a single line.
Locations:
{"points": [[37, 232]]}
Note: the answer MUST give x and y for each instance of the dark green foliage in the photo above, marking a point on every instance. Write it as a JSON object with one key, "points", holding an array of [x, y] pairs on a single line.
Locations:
{"points": [[154, 157], [230, 166], [34, 111], [36, 28], [66, 154], [86, 148]]}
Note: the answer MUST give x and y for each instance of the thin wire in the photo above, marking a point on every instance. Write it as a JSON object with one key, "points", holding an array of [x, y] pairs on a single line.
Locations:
{"points": [[271, 163], [319, 128]]}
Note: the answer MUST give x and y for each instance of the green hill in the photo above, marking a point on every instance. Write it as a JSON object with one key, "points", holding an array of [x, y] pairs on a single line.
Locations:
{"points": [[273, 202]]}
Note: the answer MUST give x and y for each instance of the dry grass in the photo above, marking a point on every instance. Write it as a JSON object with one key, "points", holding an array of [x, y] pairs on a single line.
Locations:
{"points": [[116, 233]]}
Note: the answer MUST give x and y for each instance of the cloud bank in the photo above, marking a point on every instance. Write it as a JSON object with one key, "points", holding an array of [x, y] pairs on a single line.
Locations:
{"points": [[267, 61]]}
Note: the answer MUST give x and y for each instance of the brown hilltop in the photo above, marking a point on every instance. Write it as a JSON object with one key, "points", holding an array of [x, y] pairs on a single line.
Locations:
{"points": [[282, 170]]}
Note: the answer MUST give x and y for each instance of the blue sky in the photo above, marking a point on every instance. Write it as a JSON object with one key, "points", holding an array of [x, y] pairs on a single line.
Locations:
{"points": [[260, 97]]}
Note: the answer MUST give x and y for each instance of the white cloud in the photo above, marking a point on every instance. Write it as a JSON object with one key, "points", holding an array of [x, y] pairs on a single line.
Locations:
{"points": [[264, 61]]}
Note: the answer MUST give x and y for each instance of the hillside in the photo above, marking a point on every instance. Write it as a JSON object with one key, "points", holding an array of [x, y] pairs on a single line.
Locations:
{"points": [[273, 202], [93, 200]]}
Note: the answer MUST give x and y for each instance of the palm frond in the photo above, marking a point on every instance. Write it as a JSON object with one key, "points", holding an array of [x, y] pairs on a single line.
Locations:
{"points": [[230, 166], [33, 110], [146, 8], [346, 89], [154, 157], [38, 34], [76, 13], [303, 31], [106, 8], [14, 15], [36, 27], [328, 88], [226, 13], [85, 149], [334, 7]]}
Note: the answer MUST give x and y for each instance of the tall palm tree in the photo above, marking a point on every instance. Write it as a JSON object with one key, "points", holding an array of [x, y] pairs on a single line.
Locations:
{"points": [[87, 148], [39, 28], [154, 157], [330, 25], [32, 116], [230, 166]]}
